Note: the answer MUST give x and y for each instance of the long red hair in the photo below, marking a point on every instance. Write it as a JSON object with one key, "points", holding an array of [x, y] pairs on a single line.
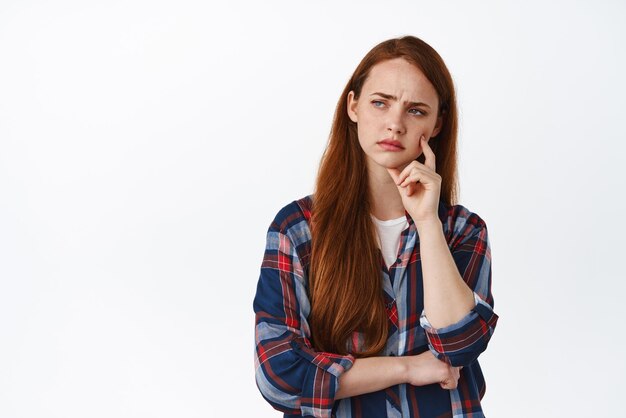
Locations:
{"points": [[345, 284]]}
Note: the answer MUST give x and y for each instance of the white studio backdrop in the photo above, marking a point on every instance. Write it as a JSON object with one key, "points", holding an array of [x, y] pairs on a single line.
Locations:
{"points": [[146, 146]]}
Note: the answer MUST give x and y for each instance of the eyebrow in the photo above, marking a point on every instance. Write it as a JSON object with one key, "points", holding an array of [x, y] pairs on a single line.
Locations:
{"points": [[392, 97]]}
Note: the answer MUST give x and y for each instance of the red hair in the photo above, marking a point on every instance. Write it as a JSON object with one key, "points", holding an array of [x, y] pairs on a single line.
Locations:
{"points": [[345, 286]]}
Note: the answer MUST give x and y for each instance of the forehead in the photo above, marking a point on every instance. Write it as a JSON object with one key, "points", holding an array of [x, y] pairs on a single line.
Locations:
{"points": [[400, 78]]}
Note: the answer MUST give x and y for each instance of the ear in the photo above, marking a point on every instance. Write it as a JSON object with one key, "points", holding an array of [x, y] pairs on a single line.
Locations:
{"points": [[438, 126], [351, 107]]}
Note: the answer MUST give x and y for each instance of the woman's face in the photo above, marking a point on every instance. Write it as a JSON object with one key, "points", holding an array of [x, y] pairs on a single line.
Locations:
{"points": [[397, 103]]}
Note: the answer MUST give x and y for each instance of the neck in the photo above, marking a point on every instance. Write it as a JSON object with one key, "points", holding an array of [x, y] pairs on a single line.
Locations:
{"points": [[386, 199]]}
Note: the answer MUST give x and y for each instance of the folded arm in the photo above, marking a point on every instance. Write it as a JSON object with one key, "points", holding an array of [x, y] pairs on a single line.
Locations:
{"points": [[290, 374]]}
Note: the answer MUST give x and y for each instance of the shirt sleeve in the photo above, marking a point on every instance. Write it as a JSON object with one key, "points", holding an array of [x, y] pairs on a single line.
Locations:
{"points": [[461, 343], [290, 374]]}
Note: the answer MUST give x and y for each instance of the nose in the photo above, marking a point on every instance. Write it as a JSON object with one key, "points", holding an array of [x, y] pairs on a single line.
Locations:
{"points": [[395, 121]]}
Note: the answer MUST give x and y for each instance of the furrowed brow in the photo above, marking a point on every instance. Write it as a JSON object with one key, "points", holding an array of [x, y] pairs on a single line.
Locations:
{"points": [[392, 97]]}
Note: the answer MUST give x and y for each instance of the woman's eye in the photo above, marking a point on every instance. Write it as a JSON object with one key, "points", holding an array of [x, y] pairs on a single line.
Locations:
{"points": [[379, 104]]}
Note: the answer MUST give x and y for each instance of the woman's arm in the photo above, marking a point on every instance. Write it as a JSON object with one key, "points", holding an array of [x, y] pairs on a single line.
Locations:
{"points": [[458, 324], [447, 298], [293, 377], [377, 373]]}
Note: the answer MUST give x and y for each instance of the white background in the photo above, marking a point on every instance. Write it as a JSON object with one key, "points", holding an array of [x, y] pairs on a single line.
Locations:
{"points": [[145, 147]]}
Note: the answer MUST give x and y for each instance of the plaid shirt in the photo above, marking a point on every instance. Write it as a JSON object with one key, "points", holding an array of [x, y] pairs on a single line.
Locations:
{"points": [[302, 382]]}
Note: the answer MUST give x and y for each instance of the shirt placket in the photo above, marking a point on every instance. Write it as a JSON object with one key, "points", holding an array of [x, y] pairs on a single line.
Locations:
{"points": [[398, 288]]}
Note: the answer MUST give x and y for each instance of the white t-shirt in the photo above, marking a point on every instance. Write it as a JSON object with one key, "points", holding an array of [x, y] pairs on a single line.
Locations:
{"points": [[389, 234]]}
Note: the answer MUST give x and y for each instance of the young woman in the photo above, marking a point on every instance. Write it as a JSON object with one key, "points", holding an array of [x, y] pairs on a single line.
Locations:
{"points": [[374, 297]]}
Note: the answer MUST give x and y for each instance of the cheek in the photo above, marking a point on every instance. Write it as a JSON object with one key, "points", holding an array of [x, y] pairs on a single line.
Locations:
{"points": [[365, 130], [422, 129], [370, 117]]}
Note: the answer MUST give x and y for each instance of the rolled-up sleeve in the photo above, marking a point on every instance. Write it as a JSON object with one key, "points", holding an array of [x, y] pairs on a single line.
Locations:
{"points": [[461, 343], [290, 374]]}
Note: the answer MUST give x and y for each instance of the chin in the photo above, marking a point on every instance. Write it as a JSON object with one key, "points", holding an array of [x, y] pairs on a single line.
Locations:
{"points": [[393, 163]]}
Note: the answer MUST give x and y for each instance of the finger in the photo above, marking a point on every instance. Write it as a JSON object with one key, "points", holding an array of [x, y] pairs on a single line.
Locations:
{"points": [[429, 155], [413, 177], [448, 384], [420, 175], [394, 173], [417, 168], [407, 171]]}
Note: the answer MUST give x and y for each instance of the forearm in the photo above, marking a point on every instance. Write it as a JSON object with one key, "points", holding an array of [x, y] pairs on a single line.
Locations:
{"points": [[371, 374], [447, 298]]}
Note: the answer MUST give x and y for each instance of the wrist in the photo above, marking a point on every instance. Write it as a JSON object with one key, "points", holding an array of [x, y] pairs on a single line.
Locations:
{"points": [[427, 225], [404, 367]]}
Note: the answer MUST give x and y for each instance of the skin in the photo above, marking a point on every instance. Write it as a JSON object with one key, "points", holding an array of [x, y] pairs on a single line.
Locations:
{"points": [[378, 118], [400, 183], [377, 373]]}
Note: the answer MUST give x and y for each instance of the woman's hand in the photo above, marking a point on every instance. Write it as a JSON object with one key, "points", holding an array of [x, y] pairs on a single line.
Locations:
{"points": [[451, 380], [425, 369], [419, 186]]}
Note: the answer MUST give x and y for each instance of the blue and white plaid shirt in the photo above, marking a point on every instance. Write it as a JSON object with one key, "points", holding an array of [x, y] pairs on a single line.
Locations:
{"points": [[302, 382]]}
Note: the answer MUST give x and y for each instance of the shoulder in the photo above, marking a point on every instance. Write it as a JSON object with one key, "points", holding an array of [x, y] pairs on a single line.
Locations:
{"points": [[293, 218], [460, 223]]}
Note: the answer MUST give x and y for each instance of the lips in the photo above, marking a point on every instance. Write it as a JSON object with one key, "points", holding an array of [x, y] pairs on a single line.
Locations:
{"points": [[391, 142]]}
